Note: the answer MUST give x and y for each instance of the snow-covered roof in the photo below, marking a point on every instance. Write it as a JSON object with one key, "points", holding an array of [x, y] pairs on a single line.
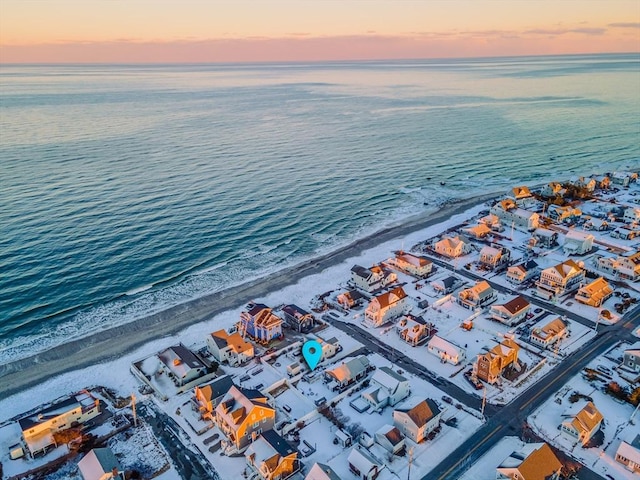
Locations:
{"points": [[362, 460], [387, 378], [439, 343], [320, 471], [630, 451], [98, 462]]}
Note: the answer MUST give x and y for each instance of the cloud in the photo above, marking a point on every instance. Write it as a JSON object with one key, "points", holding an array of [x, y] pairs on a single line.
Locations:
{"points": [[625, 25], [565, 31]]}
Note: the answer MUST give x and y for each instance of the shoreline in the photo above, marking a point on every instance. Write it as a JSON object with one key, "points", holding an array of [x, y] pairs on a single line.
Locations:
{"points": [[108, 344]]}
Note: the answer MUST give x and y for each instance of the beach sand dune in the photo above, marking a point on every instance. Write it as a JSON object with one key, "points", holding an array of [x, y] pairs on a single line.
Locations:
{"points": [[111, 343]]}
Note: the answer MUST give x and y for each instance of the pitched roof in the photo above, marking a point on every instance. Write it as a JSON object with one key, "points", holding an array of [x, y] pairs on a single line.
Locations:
{"points": [[391, 433], [586, 418], [444, 345], [217, 388], [540, 464], [98, 462], [566, 269], [516, 304], [320, 471], [422, 412], [413, 259], [391, 297]]}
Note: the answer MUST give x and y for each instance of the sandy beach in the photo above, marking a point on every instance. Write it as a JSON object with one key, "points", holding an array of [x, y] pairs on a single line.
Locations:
{"points": [[112, 343]]}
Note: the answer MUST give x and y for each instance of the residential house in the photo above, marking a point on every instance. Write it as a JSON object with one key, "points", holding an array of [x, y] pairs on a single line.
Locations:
{"points": [[321, 471], [520, 193], [489, 366], [372, 279], [535, 461], [386, 388], [597, 224], [595, 293], [271, 457], [100, 464], [208, 396], [512, 312], [544, 238], [603, 182], [494, 257], [478, 296], [390, 438], [232, 349], [417, 418], [452, 247], [491, 221], [350, 299], [348, 373], [522, 272], [559, 279], [577, 243], [631, 215], [260, 323], [447, 351], [553, 189], [363, 465], [631, 357], [564, 214], [413, 330], [628, 454], [38, 429], [329, 347], [181, 364], [548, 334], [582, 421], [386, 307], [415, 265], [621, 179], [512, 215], [446, 285], [242, 415], [625, 266], [626, 232], [478, 232], [297, 318]]}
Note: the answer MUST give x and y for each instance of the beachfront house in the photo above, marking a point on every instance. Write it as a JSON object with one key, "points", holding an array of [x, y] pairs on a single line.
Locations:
{"points": [[512, 312], [478, 296], [417, 418], [511, 215], [446, 350], [413, 330], [453, 247], [522, 272], [534, 461], [298, 319], [372, 279], [621, 179], [548, 334], [559, 279], [347, 373], [242, 415], [386, 307], [271, 457], [390, 438], [478, 231], [625, 266], [363, 465], [628, 454], [207, 397], [229, 348], [350, 299], [260, 323], [581, 421], [490, 366], [321, 471], [494, 257], [386, 388], [39, 429], [181, 365], [552, 190], [415, 265], [594, 293], [577, 243], [100, 464]]}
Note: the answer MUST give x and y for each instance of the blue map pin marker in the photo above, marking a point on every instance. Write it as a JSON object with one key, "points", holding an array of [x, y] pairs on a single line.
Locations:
{"points": [[312, 353]]}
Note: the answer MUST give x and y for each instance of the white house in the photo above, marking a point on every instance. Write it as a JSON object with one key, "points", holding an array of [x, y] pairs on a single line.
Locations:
{"points": [[522, 272], [419, 266], [447, 351], [413, 330], [625, 266], [445, 285], [372, 279], [181, 364], [544, 238], [321, 471], [363, 465], [417, 418], [512, 312], [621, 178], [347, 373], [548, 334], [631, 215], [386, 307], [452, 247], [559, 279], [535, 461], [511, 215], [390, 438], [100, 464], [577, 243], [582, 421], [478, 296], [628, 454], [631, 357], [232, 349], [494, 257], [386, 387]]}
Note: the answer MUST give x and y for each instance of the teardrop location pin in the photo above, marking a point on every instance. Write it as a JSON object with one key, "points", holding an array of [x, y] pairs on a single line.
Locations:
{"points": [[312, 353]]}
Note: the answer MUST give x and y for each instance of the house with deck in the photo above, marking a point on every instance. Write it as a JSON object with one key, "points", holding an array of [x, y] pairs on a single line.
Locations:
{"points": [[493, 257], [511, 215], [181, 364], [478, 296], [559, 279], [386, 388], [260, 323], [543, 238], [534, 461], [522, 272], [577, 243], [550, 333], [207, 397], [512, 312], [446, 350], [372, 279], [453, 247], [350, 299], [563, 214], [478, 231], [489, 366], [347, 373], [553, 190], [297, 318], [417, 418], [415, 265], [271, 457], [386, 307], [413, 330], [229, 348], [594, 293], [624, 267], [581, 421]]}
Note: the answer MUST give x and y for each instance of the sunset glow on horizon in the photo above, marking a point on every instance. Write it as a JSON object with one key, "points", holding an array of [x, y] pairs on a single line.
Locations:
{"points": [[103, 31]]}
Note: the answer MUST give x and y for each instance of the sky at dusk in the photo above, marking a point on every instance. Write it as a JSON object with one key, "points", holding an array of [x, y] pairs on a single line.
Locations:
{"points": [[104, 31]]}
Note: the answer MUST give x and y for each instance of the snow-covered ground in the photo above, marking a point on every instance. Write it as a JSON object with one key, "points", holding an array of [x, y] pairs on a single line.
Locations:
{"points": [[485, 467]]}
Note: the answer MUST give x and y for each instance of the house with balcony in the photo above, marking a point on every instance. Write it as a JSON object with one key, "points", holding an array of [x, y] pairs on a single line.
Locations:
{"points": [[489, 366], [415, 265], [548, 334], [543, 238], [242, 415], [413, 330], [512, 312], [181, 364], [581, 421], [390, 438], [417, 418], [625, 267], [271, 457], [40, 428], [494, 257], [386, 307], [260, 323], [229, 348], [577, 243], [453, 247], [348, 373], [534, 461], [478, 296], [386, 388], [298, 319], [511, 215], [553, 190], [522, 272], [446, 350], [559, 279], [372, 279], [207, 397], [563, 214], [628, 454], [594, 293]]}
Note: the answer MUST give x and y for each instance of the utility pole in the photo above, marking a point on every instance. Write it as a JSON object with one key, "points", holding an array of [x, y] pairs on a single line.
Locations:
{"points": [[484, 399], [410, 461], [133, 408]]}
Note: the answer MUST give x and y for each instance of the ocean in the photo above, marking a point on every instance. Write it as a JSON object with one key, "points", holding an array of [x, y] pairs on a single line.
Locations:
{"points": [[125, 189]]}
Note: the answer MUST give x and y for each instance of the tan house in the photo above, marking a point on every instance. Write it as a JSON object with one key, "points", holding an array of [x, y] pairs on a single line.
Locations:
{"points": [[594, 293], [479, 231], [478, 296], [522, 272], [372, 279], [386, 307], [549, 334], [628, 454], [492, 257], [414, 265], [320, 471], [624, 266], [271, 457], [512, 312], [489, 366], [413, 330], [232, 349], [350, 299], [535, 461], [39, 429], [445, 350], [207, 397], [452, 247], [559, 279], [242, 415], [417, 419], [563, 214], [582, 421], [100, 464]]}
